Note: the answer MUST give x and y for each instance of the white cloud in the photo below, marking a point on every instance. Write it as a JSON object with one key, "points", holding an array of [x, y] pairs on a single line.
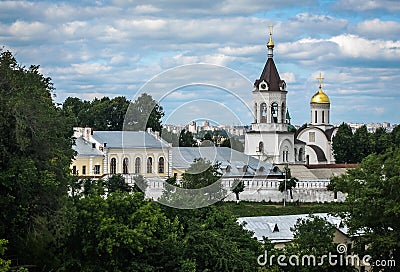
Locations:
{"points": [[377, 28], [289, 77], [368, 5], [23, 30], [146, 9], [357, 47], [113, 47], [89, 68]]}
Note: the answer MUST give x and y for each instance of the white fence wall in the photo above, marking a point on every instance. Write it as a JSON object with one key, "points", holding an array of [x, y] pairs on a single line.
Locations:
{"points": [[259, 190]]}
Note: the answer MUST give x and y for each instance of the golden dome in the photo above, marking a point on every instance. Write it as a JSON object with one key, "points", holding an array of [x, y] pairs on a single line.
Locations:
{"points": [[320, 97], [270, 43]]}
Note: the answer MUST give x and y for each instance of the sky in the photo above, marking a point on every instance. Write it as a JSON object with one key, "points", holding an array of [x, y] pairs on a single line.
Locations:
{"points": [[199, 59]]}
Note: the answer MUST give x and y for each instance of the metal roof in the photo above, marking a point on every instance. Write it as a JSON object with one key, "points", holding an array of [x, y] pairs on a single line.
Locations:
{"points": [[263, 226], [84, 148], [183, 157], [129, 139]]}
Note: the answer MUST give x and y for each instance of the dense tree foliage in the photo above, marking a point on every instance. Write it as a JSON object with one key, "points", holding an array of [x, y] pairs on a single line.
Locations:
{"points": [[212, 239], [35, 154], [342, 144], [113, 114], [144, 113], [99, 114], [373, 204], [119, 231], [349, 147], [186, 139], [170, 137]]}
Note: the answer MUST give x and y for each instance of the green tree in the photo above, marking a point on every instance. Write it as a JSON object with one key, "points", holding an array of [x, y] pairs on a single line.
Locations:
{"points": [[170, 137], [362, 144], [35, 155], [202, 184], [313, 236], [216, 242], [144, 113], [186, 139], [117, 182], [201, 173], [396, 136], [381, 140], [99, 114], [290, 181], [140, 184], [238, 188], [207, 140], [373, 205], [120, 232], [342, 144]]}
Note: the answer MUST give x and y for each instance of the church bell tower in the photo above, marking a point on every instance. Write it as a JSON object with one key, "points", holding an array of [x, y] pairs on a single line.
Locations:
{"points": [[269, 138]]}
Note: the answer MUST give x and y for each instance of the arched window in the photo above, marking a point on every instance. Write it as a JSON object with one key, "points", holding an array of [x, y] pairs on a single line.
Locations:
{"points": [[263, 113], [137, 165], [274, 112], [283, 113], [149, 165], [161, 165], [316, 115], [113, 166], [323, 116], [301, 154], [125, 164], [295, 153], [260, 147]]}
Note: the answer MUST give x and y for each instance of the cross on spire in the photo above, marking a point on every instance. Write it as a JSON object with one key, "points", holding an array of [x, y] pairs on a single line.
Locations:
{"points": [[270, 28], [320, 79], [270, 44]]}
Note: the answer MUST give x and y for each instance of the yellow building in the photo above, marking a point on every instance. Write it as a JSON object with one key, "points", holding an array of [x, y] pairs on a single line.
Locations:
{"points": [[131, 153]]}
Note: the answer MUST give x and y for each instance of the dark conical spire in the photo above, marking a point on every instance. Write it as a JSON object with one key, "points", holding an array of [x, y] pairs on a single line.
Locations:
{"points": [[270, 74]]}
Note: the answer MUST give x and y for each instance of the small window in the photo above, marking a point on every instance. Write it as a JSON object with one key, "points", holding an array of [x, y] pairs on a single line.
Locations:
{"points": [[149, 165], [161, 165], [276, 229], [74, 170], [137, 165], [261, 147], [274, 112], [301, 154], [84, 170], [323, 116], [316, 116], [113, 166], [125, 164], [97, 169], [311, 136], [263, 113], [93, 145]]}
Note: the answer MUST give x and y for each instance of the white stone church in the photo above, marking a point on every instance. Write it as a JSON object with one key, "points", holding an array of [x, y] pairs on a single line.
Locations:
{"points": [[272, 137]]}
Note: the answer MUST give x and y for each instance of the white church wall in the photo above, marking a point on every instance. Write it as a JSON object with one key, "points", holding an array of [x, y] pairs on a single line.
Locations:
{"points": [[259, 190]]}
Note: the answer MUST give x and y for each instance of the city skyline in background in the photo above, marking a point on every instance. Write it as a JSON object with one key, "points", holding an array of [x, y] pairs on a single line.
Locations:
{"points": [[121, 48]]}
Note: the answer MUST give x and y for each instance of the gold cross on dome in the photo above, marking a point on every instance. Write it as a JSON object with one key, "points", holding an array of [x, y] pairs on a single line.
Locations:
{"points": [[320, 79]]}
